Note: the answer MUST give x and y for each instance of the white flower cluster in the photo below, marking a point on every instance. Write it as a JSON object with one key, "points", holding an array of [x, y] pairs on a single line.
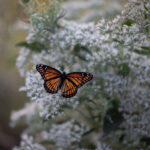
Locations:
{"points": [[136, 113], [72, 35], [102, 146], [48, 104], [27, 113], [132, 88], [66, 136], [27, 143], [139, 13], [22, 60], [116, 53]]}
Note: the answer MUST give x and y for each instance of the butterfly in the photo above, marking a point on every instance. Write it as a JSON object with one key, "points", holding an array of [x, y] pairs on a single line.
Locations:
{"points": [[68, 83]]}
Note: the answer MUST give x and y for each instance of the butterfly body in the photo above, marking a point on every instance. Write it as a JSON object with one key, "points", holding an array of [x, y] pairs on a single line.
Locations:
{"points": [[63, 77], [68, 83]]}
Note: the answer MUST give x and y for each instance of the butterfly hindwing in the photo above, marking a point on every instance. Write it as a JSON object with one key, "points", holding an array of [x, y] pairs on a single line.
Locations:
{"points": [[69, 89], [53, 85], [80, 78]]}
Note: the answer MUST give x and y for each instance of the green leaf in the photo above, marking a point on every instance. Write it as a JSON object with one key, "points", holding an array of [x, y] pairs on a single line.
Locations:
{"points": [[146, 48], [112, 119], [128, 22], [124, 70], [145, 51], [78, 51], [89, 131], [34, 46], [142, 52], [25, 1], [65, 106], [79, 47]]}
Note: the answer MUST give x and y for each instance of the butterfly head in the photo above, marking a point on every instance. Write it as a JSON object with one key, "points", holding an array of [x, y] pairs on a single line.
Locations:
{"points": [[64, 74]]}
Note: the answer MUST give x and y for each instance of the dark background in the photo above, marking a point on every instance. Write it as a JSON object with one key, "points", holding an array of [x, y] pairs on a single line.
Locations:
{"points": [[10, 81]]}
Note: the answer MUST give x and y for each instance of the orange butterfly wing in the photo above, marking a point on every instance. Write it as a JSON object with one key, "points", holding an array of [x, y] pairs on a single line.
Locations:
{"points": [[74, 81], [47, 72], [79, 78], [52, 86], [69, 89], [51, 76]]}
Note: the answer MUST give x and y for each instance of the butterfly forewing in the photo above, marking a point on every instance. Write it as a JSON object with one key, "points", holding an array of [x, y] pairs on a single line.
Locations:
{"points": [[47, 72], [79, 78], [69, 89], [51, 76]]}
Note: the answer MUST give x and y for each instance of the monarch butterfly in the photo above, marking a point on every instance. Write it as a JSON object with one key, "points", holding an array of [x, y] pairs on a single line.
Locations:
{"points": [[68, 83]]}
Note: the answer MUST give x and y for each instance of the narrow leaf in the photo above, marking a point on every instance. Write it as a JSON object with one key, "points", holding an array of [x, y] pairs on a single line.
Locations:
{"points": [[35, 46]]}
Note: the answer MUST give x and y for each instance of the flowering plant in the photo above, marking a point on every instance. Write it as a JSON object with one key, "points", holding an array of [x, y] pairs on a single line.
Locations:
{"points": [[112, 111]]}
